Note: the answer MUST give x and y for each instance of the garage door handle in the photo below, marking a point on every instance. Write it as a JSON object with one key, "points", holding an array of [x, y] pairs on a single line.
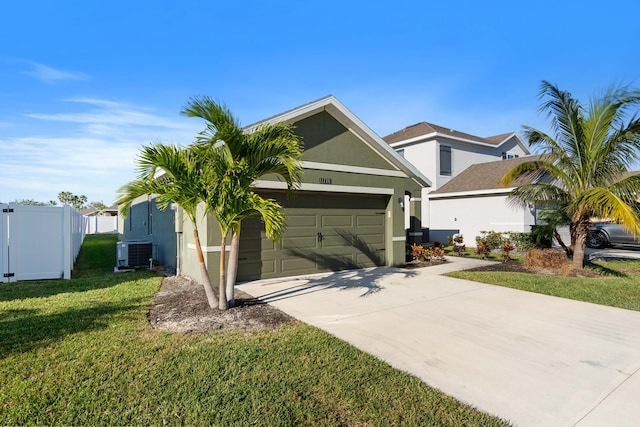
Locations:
{"points": [[320, 237]]}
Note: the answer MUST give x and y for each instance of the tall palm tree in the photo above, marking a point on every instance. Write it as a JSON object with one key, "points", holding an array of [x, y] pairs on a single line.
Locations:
{"points": [[582, 170], [176, 175], [240, 158]]}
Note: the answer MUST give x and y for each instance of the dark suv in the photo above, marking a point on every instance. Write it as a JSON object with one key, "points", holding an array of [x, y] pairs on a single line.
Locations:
{"points": [[607, 233]]}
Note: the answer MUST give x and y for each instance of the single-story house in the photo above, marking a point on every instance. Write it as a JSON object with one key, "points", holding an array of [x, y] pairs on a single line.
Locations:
{"points": [[473, 202], [349, 212]]}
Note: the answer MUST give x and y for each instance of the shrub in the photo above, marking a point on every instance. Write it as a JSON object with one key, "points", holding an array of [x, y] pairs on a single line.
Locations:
{"points": [[494, 239], [417, 252], [483, 248], [437, 244], [522, 241], [507, 248], [548, 259], [458, 246], [542, 236], [437, 254]]}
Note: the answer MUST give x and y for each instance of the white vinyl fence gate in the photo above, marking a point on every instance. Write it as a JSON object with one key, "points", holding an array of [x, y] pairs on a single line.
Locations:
{"points": [[39, 242]]}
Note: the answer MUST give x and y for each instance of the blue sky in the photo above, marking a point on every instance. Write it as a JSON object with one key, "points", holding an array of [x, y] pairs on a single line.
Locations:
{"points": [[84, 84]]}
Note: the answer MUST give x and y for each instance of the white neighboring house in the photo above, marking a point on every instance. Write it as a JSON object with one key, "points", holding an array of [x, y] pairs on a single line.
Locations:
{"points": [[441, 154], [473, 202]]}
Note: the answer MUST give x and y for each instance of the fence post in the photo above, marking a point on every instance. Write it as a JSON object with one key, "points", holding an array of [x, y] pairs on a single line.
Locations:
{"points": [[67, 244]]}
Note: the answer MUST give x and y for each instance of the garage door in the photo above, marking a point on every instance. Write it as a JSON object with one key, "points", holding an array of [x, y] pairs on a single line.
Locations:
{"points": [[324, 232]]}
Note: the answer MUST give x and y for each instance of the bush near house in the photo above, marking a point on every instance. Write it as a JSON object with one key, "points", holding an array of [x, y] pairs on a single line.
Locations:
{"points": [[431, 253]]}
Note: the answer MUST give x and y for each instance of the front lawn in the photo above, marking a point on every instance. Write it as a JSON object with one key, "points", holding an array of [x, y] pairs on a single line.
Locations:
{"points": [[81, 352], [619, 285]]}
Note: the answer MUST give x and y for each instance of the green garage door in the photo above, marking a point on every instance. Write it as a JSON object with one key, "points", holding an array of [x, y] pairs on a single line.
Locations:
{"points": [[324, 232]]}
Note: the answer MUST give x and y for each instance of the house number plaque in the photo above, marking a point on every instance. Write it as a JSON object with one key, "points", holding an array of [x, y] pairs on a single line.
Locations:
{"points": [[325, 180]]}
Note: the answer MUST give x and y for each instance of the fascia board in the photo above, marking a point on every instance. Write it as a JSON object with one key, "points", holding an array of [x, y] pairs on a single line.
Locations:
{"points": [[458, 194]]}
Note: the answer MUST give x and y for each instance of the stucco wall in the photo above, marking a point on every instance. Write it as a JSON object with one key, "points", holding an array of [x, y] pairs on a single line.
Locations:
{"points": [[145, 221], [471, 215]]}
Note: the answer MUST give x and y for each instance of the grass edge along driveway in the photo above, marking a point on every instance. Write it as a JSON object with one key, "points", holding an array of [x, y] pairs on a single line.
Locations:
{"points": [[81, 352], [619, 285]]}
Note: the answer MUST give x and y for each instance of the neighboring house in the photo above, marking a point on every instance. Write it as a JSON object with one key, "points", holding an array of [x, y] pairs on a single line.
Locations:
{"points": [[348, 213], [442, 153], [101, 221], [473, 202], [110, 211]]}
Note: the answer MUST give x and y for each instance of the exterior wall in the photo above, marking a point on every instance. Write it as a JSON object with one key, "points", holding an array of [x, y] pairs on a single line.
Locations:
{"points": [[425, 156], [146, 222], [471, 215]]}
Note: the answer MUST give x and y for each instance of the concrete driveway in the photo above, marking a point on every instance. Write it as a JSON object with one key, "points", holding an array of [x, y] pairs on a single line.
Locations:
{"points": [[532, 359]]}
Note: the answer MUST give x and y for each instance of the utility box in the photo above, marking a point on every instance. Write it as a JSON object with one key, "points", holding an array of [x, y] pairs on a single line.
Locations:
{"points": [[133, 254]]}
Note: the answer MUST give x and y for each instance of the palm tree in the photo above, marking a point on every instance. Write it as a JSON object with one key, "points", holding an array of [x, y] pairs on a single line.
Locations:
{"points": [[582, 169], [176, 175], [240, 158]]}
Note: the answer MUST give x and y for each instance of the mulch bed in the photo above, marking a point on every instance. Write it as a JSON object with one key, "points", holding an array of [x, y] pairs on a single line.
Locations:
{"points": [[181, 306]]}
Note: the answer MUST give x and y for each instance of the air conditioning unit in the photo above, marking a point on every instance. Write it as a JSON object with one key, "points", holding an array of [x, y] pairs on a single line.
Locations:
{"points": [[133, 254]]}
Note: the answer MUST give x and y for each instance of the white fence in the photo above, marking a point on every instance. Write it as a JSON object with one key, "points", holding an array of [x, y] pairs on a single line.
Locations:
{"points": [[39, 242], [101, 225]]}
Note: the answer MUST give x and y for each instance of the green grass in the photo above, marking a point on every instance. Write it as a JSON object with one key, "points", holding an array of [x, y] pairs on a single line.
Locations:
{"points": [[81, 352], [618, 287]]}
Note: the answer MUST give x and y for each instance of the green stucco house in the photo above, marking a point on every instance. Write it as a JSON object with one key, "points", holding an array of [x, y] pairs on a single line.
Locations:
{"points": [[358, 206]]}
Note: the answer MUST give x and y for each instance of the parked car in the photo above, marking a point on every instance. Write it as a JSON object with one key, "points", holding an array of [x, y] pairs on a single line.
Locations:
{"points": [[607, 233]]}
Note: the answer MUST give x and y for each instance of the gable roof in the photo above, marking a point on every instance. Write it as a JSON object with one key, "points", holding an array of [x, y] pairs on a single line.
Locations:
{"points": [[424, 131], [331, 105], [485, 176]]}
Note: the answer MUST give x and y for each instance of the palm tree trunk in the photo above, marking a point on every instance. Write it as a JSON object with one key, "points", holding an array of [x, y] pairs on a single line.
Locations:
{"points": [[561, 243], [232, 270], [221, 286], [578, 251], [206, 282]]}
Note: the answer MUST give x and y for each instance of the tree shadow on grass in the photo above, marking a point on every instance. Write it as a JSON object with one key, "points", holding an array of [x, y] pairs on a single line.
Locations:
{"points": [[23, 330], [15, 291], [604, 270]]}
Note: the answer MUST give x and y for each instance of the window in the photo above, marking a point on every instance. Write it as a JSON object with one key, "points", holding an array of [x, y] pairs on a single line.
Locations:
{"points": [[401, 152], [445, 160]]}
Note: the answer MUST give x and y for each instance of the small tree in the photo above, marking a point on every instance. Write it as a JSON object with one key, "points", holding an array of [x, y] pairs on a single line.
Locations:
{"points": [[584, 162], [175, 175]]}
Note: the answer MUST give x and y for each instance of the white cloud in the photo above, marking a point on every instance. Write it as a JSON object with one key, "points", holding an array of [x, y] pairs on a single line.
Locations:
{"points": [[90, 152], [49, 74]]}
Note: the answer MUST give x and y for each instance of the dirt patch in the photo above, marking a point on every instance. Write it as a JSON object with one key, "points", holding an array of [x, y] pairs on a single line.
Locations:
{"points": [[181, 306]]}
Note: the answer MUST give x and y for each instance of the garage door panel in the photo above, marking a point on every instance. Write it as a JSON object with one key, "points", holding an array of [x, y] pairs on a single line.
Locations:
{"points": [[297, 265], [336, 241], [308, 242], [370, 261], [372, 240], [370, 220], [301, 221], [337, 221]]}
